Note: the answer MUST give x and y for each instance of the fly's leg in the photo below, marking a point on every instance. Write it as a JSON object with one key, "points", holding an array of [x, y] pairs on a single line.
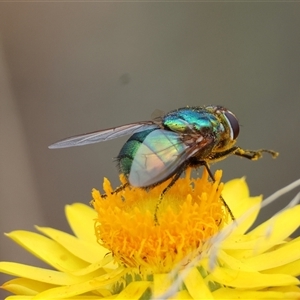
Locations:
{"points": [[117, 190], [222, 199], [174, 179], [250, 154], [254, 154]]}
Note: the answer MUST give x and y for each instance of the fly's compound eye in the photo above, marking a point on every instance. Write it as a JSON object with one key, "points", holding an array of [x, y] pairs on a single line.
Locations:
{"points": [[233, 123]]}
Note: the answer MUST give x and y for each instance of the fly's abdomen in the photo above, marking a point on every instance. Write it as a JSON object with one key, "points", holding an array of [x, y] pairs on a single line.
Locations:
{"points": [[151, 156], [128, 151]]}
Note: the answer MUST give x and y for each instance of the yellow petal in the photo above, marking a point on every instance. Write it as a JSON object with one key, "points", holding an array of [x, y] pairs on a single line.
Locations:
{"points": [[234, 192], [249, 280], [248, 210], [276, 229], [136, 290], [196, 286], [236, 189], [184, 295], [81, 219], [96, 268], [38, 274], [163, 288], [161, 283], [292, 269], [233, 263], [85, 297], [90, 252], [83, 287], [227, 293], [285, 289], [47, 250], [24, 286], [241, 242], [283, 255], [19, 297], [236, 195]]}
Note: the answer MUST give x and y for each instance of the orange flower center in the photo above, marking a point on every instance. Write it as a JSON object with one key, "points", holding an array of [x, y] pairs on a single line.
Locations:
{"points": [[189, 214]]}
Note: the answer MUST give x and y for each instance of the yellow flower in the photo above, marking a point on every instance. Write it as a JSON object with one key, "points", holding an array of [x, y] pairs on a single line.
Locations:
{"points": [[195, 251]]}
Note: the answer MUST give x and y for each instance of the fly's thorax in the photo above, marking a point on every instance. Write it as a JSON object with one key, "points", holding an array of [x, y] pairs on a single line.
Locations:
{"points": [[192, 120]]}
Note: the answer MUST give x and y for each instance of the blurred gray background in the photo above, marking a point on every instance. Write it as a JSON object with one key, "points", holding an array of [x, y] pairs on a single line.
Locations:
{"points": [[70, 68]]}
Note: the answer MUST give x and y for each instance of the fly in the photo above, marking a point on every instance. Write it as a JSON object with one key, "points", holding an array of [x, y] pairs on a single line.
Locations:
{"points": [[165, 147]]}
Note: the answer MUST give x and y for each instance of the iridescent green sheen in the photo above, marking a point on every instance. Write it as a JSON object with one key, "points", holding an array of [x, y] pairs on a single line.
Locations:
{"points": [[189, 119]]}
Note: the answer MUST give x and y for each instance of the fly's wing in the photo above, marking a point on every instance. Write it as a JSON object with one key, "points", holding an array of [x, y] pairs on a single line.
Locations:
{"points": [[158, 157], [103, 135]]}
